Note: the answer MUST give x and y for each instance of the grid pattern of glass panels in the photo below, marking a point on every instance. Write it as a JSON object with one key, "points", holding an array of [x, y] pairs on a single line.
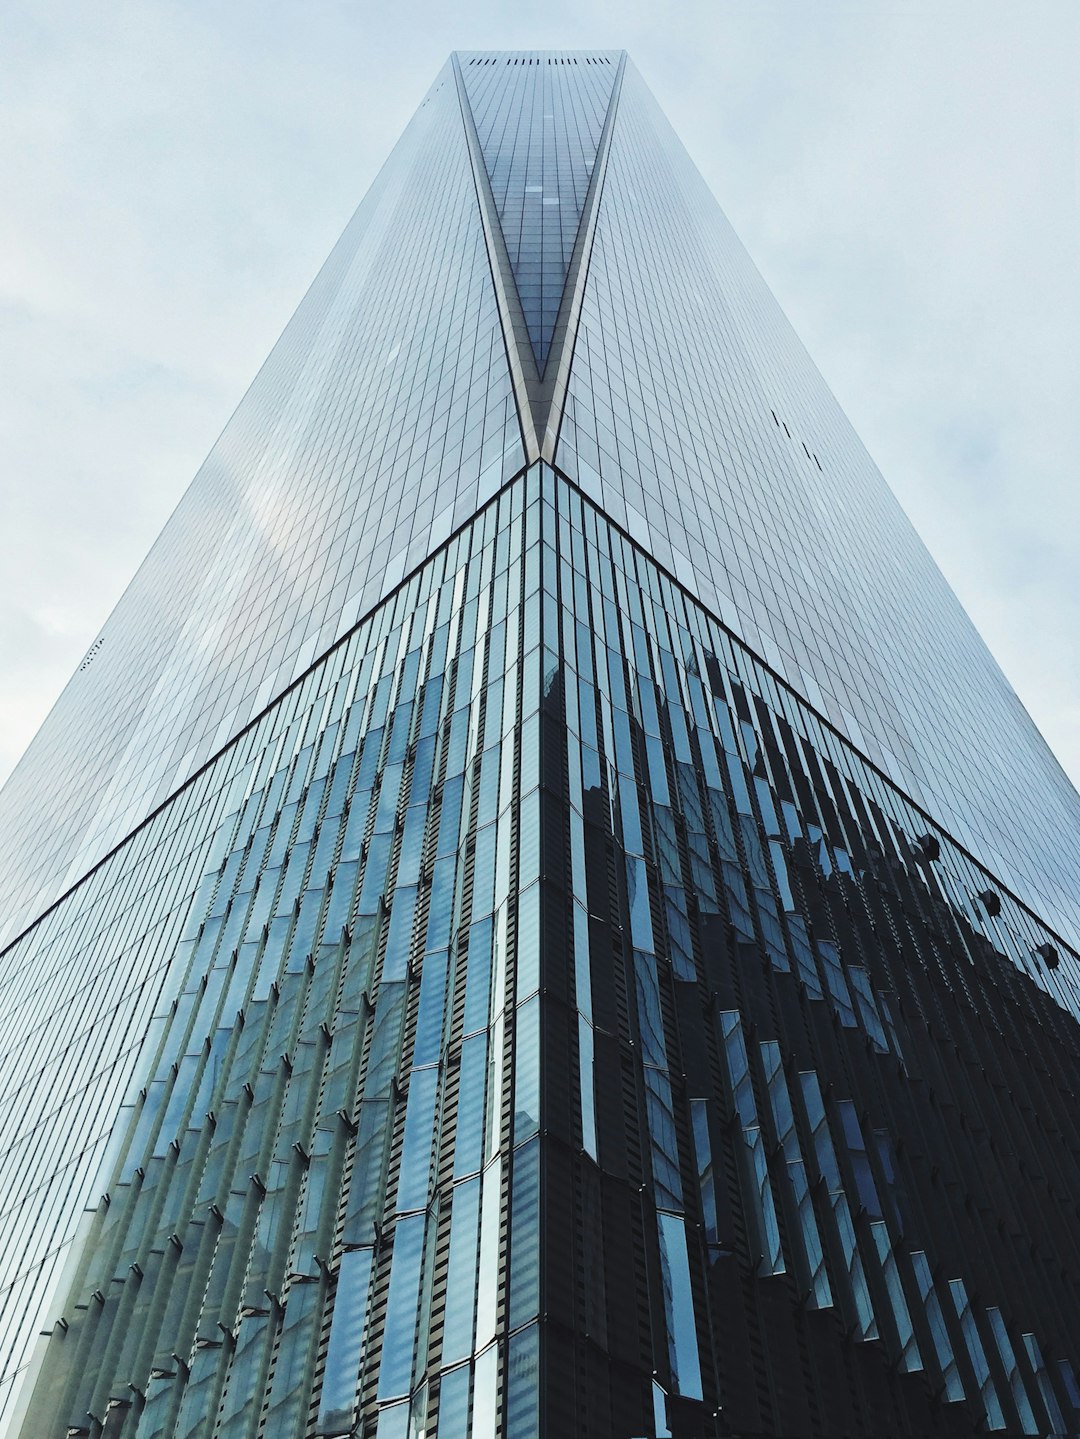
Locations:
{"points": [[790, 1061], [330, 1142], [539, 117], [381, 421], [696, 420], [531, 984], [385, 416], [542, 1018]]}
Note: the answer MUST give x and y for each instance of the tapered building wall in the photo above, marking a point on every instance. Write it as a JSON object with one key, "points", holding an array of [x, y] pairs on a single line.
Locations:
{"points": [[695, 418], [619, 988], [344, 1058], [382, 420]]}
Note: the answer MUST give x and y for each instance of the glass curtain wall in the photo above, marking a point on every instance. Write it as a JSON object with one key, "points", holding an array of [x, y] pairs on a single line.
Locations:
{"points": [[549, 1022]]}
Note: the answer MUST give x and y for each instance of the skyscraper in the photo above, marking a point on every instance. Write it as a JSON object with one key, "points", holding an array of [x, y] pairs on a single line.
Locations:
{"points": [[538, 914]]}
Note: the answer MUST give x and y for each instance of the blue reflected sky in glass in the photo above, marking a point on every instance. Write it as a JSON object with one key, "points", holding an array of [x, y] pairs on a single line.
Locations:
{"points": [[679, 1304]]}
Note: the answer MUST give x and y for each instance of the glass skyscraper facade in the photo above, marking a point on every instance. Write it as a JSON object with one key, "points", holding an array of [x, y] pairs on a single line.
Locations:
{"points": [[538, 914]]}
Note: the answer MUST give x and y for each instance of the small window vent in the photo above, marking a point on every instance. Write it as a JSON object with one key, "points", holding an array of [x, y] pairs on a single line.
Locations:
{"points": [[91, 653], [807, 451]]}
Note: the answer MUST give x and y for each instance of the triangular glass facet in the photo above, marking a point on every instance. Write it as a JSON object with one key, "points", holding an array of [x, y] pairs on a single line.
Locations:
{"points": [[539, 120]]}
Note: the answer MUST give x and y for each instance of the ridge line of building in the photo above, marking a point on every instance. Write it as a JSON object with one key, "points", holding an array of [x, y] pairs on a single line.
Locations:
{"points": [[515, 333], [564, 337], [688, 594]]}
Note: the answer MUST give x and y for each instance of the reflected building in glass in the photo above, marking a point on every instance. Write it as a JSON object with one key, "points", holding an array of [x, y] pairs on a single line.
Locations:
{"points": [[538, 915]]}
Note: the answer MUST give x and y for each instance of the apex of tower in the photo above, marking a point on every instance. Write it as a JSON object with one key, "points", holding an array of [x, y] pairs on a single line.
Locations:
{"points": [[538, 57]]}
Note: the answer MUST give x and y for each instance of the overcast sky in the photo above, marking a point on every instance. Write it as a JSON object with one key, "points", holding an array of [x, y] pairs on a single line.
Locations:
{"points": [[905, 176]]}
